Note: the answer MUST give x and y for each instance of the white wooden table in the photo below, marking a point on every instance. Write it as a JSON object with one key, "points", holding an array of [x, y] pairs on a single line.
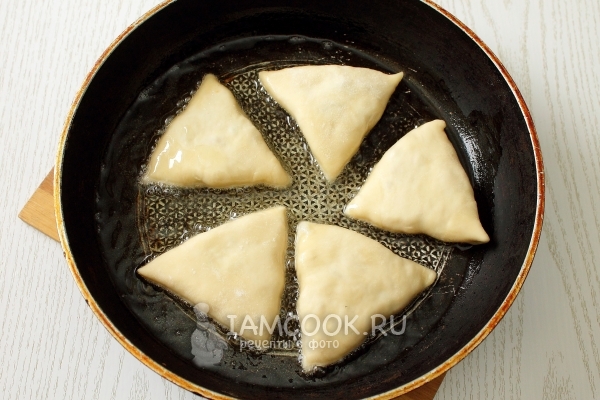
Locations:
{"points": [[52, 347]]}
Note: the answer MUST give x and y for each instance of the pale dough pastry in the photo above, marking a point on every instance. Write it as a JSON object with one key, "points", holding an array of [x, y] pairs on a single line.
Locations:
{"points": [[237, 269], [212, 143], [419, 186], [335, 107], [343, 273]]}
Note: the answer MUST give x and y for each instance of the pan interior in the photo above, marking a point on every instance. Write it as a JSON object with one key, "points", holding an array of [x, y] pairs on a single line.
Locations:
{"points": [[167, 216]]}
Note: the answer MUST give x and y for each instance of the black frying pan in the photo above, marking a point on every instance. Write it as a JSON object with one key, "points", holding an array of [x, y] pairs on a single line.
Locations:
{"points": [[450, 74]]}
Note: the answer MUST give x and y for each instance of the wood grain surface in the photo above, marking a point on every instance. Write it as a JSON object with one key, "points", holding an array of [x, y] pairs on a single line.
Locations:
{"points": [[39, 209], [546, 347]]}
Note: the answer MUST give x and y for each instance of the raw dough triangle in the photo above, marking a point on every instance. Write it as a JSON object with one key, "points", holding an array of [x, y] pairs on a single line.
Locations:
{"points": [[237, 269], [419, 186], [213, 143], [335, 107], [343, 273]]}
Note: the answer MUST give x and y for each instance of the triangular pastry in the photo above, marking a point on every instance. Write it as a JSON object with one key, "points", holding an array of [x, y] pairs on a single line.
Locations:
{"points": [[344, 274], [419, 186], [237, 269], [335, 107], [212, 143]]}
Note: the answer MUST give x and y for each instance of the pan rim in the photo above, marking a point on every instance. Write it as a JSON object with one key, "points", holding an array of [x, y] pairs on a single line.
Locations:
{"points": [[407, 387]]}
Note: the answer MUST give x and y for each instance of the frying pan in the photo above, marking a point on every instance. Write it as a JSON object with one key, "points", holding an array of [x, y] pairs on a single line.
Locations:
{"points": [[140, 80]]}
